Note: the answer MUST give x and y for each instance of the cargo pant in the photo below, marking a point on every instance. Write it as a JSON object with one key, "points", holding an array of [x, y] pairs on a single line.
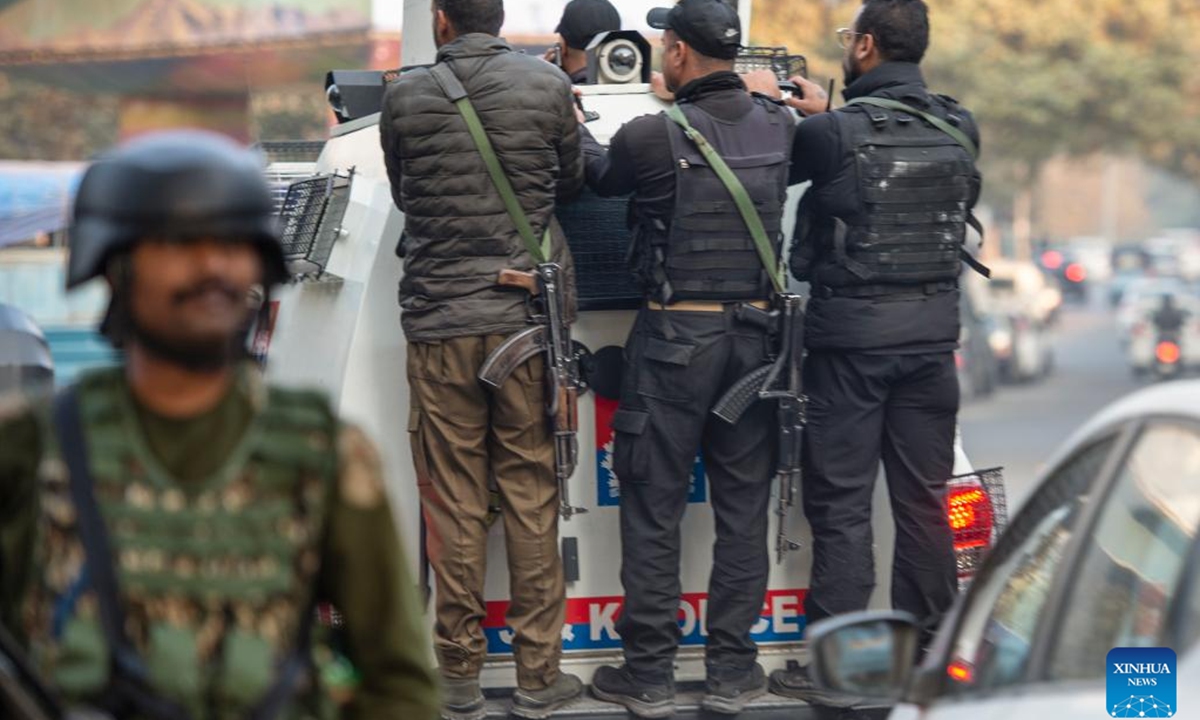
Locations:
{"points": [[678, 364], [862, 409], [463, 435]]}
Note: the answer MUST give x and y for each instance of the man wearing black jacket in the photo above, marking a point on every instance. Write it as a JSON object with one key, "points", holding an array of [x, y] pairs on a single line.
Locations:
{"points": [[698, 266], [879, 237]]}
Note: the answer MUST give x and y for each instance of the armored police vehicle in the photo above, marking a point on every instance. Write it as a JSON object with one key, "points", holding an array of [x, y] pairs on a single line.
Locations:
{"points": [[337, 326]]}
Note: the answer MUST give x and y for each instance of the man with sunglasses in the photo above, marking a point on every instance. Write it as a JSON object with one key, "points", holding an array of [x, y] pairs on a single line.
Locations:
{"points": [[880, 236]]}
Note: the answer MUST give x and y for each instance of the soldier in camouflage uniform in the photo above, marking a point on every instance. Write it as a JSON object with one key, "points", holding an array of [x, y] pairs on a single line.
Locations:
{"points": [[230, 507]]}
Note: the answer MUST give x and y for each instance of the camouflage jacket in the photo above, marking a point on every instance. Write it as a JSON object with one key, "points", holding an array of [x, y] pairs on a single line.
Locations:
{"points": [[215, 576]]}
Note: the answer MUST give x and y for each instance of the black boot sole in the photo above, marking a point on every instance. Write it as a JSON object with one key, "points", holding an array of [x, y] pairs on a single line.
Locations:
{"points": [[732, 706], [651, 711], [472, 713], [542, 711], [814, 697]]}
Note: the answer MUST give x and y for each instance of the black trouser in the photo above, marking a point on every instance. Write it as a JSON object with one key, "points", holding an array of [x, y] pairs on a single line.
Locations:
{"points": [[678, 364], [863, 408]]}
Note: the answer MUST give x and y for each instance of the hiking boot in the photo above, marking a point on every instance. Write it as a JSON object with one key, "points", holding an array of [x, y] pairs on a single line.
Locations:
{"points": [[644, 699], [462, 699], [538, 704], [794, 682], [729, 695]]}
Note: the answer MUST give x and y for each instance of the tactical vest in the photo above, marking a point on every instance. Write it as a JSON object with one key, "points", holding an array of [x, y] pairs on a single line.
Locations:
{"points": [[706, 252], [214, 581], [914, 193]]}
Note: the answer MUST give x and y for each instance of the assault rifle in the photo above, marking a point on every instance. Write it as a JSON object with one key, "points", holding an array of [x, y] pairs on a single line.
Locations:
{"points": [[782, 381], [550, 335]]}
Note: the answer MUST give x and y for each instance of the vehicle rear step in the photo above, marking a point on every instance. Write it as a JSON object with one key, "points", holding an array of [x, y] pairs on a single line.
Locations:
{"points": [[687, 707]]}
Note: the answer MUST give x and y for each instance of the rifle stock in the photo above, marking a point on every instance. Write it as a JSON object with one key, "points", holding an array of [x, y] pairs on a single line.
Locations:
{"points": [[524, 279]]}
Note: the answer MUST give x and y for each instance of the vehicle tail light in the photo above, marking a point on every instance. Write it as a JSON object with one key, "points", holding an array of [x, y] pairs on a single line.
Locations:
{"points": [[961, 671], [1076, 273], [959, 362], [977, 511], [1167, 352], [1052, 259], [970, 512]]}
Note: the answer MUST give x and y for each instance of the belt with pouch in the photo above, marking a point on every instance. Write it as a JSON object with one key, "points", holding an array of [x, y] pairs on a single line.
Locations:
{"points": [[894, 291], [706, 306]]}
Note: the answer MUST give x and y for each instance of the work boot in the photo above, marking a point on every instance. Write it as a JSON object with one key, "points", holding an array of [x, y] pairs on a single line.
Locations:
{"points": [[462, 699], [794, 682], [644, 699], [729, 695], [538, 704]]}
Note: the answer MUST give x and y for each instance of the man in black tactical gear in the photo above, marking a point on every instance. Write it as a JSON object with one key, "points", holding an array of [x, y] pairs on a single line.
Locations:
{"points": [[880, 237], [582, 20], [699, 267]]}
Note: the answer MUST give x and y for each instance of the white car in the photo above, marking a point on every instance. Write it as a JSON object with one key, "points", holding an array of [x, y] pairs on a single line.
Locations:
{"points": [[1094, 254], [1104, 555], [1021, 287]]}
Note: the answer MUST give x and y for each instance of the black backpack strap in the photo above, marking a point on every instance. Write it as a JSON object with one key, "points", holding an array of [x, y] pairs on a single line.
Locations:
{"points": [[967, 257], [129, 689], [289, 674]]}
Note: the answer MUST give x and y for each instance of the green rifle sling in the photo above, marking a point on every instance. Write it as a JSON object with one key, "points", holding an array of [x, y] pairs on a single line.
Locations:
{"points": [[958, 136], [741, 198], [458, 95]]}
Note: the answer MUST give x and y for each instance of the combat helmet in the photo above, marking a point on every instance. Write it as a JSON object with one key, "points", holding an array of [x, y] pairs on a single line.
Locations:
{"points": [[176, 185]]}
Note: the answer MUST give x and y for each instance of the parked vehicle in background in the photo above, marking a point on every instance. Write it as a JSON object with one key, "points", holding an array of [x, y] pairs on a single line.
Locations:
{"points": [[978, 370], [1074, 272], [1093, 255], [1021, 347], [1129, 265], [1105, 554], [1024, 303], [1023, 285], [1176, 253]]}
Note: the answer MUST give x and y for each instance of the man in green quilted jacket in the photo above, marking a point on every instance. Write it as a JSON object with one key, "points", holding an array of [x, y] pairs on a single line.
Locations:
{"points": [[227, 509]]}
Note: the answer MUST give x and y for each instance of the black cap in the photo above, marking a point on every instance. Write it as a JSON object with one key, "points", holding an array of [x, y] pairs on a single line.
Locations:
{"points": [[712, 27], [582, 20]]}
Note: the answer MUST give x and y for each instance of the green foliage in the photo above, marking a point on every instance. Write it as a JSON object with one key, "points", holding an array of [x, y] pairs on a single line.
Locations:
{"points": [[1044, 77]]}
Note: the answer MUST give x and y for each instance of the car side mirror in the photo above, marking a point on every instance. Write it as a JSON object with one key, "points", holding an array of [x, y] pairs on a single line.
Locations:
{"points": [[867, 654]]}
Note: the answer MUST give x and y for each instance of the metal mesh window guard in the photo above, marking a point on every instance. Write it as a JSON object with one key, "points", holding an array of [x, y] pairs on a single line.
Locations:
{"points": [[775, 59], [311, 217]]}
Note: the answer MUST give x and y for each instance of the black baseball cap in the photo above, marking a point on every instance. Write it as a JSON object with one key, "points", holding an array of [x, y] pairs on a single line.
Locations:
{"points": [[712, 27], [582, 20]]}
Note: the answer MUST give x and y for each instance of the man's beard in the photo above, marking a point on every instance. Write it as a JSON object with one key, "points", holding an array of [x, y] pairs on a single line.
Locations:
{"points": [[197, 355], [850, 71]]}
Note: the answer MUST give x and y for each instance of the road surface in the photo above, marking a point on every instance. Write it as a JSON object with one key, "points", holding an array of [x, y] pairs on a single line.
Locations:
{"points": [[1020, 426]]}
